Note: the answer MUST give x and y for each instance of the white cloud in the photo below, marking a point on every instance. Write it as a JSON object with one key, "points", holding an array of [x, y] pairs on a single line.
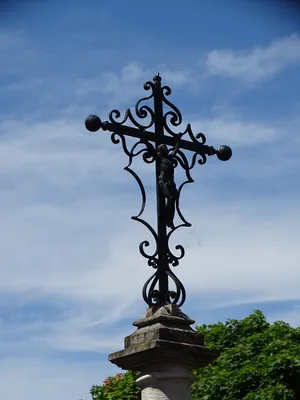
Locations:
{"points": [[257, 64], [126, 87], [176, 77], [237, 132], [246, 250], [34, 379]]}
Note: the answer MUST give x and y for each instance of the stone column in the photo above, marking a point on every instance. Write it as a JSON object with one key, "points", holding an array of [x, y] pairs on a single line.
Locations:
{"points": [[164, 349], [165, 382]]}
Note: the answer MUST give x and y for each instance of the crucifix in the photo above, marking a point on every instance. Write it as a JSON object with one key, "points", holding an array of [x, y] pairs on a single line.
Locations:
{"points": [[154, 130]]}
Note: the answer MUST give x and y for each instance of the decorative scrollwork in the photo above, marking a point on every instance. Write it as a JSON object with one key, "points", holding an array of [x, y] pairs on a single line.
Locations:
{"points": [[142, 112], [174, 116], [150, 295], [148, 156], [154, 297], [180, 290], [172, 259]]}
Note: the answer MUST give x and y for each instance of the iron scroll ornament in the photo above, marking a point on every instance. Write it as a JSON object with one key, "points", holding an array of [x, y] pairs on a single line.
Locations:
{"points": [[152, 146]]}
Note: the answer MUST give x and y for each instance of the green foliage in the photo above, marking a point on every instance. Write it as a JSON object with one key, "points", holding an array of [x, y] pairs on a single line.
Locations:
{"points": [[258, 361], [119, 387]]}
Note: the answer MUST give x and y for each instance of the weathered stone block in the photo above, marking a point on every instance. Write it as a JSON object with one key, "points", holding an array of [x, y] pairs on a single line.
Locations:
{"points": [[163, 335]]}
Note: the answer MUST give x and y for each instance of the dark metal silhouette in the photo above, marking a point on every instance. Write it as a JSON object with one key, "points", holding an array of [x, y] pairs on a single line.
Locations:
{"points": [[166, 184], [156, 290]]}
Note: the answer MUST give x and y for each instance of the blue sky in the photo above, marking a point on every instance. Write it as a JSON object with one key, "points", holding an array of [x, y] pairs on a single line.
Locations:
{"points": [[71, 272]]}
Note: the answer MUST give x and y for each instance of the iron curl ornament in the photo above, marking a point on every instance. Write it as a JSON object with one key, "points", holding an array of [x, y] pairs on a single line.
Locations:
{"points": [[154, 129]]}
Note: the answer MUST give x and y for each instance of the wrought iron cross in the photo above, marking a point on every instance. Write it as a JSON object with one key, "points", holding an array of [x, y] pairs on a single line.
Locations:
{"points": [[156, 290]]}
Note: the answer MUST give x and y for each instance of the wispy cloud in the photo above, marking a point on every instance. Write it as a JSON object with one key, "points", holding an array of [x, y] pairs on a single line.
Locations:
{"points": [[256, 64], [126, 86], [244, 248], [39, 379], [237, 132]]}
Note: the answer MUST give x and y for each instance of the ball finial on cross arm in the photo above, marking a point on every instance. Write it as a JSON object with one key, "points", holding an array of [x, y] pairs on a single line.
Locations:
{"points": [[93, 123], [224, 153]]}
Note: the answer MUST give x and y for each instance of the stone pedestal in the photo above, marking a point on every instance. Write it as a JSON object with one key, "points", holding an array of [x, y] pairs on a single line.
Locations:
{"points": [[164, 349]]}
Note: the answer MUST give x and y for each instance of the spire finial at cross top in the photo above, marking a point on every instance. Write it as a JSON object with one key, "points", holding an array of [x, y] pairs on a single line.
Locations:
{"points": [[157, 78]]}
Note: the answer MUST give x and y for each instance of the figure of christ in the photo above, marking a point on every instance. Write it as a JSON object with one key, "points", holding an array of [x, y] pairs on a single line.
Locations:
{"points": [[166, 182]]}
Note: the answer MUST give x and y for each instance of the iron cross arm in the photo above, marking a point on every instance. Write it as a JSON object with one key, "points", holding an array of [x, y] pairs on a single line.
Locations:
{"points": [[223, 152]]}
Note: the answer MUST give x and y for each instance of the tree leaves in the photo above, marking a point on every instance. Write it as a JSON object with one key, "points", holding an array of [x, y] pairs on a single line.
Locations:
{"points": [[120, 387], [258, 361]]}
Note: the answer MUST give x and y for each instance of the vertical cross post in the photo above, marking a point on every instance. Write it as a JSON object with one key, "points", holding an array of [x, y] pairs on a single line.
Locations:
{"points": [[161, 223]]}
